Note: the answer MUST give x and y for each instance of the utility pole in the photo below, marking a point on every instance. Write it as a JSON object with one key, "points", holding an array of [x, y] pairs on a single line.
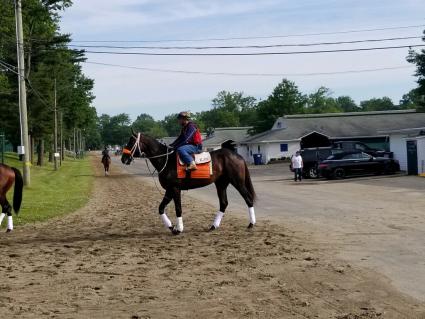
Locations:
{"points": [[74, 148], [61, 158], [55, 137], [81, 143], [22, 94]]}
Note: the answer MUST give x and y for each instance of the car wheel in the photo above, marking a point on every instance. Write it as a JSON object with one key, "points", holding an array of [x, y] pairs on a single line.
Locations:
{"points": [[390, 169], [339, 173], [312, 172]]}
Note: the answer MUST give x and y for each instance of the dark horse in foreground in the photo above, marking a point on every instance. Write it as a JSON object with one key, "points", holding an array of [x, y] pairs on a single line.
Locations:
{"points": [[228, 168], [8, 176]]}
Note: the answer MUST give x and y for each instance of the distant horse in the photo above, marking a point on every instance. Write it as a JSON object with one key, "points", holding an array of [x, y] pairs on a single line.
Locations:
{"points": [[106, 161], [8, 176], [228, 168]]}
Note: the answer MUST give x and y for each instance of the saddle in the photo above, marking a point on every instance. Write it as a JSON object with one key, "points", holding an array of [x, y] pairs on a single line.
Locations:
{"points": [[203, 163]]}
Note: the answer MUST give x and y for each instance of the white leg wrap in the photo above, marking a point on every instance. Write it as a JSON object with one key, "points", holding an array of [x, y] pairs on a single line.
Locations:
{"points": [[166, 220], [10, 222], [179, 225], [217, 219], [252, 219], [2, 215]]}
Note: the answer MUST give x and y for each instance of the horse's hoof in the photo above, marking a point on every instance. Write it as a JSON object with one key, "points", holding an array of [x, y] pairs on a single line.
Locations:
{"points": [[251, 225], [212, 228], [8, 230], [176, 232]]}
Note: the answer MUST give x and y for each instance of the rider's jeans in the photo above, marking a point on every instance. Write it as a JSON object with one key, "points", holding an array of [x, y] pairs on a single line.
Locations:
{"points": [[185, 152]]}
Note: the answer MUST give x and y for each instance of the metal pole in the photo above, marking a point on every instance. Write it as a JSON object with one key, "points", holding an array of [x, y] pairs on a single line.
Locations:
{"points": [[74, 148], [22, 93], [61, 139], [55, 137], [81, 144]]}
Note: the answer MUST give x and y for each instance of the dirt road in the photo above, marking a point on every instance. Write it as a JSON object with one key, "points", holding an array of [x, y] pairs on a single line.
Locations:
{"points": [[373, 222], [114, 259]]}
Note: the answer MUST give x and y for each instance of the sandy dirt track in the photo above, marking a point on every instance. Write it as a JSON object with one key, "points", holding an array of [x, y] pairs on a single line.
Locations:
{"points": [[114, 259]]}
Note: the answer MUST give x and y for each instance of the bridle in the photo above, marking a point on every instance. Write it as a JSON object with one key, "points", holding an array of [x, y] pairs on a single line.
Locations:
{"points": [[136, 147]]}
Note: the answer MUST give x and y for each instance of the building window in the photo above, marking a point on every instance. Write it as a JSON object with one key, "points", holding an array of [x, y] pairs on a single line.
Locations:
{"points": [[283, 147]]}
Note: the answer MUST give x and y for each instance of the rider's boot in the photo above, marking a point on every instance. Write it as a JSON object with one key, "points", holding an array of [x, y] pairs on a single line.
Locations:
{"points": [[192, 166]]}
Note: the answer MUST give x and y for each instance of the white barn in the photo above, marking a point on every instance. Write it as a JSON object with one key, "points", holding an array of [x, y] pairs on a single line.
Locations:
{"points": [[292, 132], [408, 146]]}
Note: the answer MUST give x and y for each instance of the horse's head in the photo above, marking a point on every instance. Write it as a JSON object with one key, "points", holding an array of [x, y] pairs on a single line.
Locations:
{"points": [[134, 148]]}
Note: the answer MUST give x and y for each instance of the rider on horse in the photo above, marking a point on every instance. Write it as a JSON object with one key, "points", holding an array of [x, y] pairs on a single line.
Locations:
{"points": [[105, 153], [189, 142]]}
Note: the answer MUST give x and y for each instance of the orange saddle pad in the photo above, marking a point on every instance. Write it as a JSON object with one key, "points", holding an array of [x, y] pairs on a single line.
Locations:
{"points": [[204, 170]]}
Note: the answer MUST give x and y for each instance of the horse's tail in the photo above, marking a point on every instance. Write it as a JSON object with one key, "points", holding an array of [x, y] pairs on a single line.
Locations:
{"points": [[248, 184], [17, 193]]}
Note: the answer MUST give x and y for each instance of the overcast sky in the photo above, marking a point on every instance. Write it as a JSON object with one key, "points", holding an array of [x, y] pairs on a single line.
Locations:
{"points": [[120, 90]]}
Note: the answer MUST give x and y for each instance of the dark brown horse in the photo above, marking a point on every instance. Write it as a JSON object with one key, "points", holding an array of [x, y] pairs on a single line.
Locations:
{"points": [[106, 161], [228, 168], [8, 176]]}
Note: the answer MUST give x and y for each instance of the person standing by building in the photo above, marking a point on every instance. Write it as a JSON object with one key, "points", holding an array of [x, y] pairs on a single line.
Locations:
{"points": [[297, 166]]}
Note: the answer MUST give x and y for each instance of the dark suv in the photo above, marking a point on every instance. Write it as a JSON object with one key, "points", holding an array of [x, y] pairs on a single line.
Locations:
{"points": [[356, 163], [313, 156], [356, 146]]}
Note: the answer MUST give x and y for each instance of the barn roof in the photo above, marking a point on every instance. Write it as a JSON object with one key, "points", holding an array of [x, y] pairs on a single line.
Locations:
{"points": [[339, 125], [223, 134]]}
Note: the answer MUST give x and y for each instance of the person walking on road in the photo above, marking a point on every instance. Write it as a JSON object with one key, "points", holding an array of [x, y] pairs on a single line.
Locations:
{"points": [[297, 166]]}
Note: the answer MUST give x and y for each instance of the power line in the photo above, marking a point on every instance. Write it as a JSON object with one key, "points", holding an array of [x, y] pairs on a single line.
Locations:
{"points": [[8, 67], [248, 74], [255, 37], [244, 46], [256, 53], [37, 93], [8, 64]]}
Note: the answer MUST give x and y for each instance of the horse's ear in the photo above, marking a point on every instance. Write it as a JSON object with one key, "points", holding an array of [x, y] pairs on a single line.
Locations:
{"points": [[132, 132]]}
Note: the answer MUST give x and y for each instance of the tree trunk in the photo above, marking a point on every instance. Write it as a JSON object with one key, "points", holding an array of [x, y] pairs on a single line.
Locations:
{"points": [[40, 159]]}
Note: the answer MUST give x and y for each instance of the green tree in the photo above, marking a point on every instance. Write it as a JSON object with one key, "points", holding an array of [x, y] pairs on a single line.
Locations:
{"points": [[115, 130], [47, 58], [347, 104], [410, 100], [419, 60], [229, 109], [170, 124], [378, 104], [321, 101], [218, 118], [147, 124], [286, 99]]}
